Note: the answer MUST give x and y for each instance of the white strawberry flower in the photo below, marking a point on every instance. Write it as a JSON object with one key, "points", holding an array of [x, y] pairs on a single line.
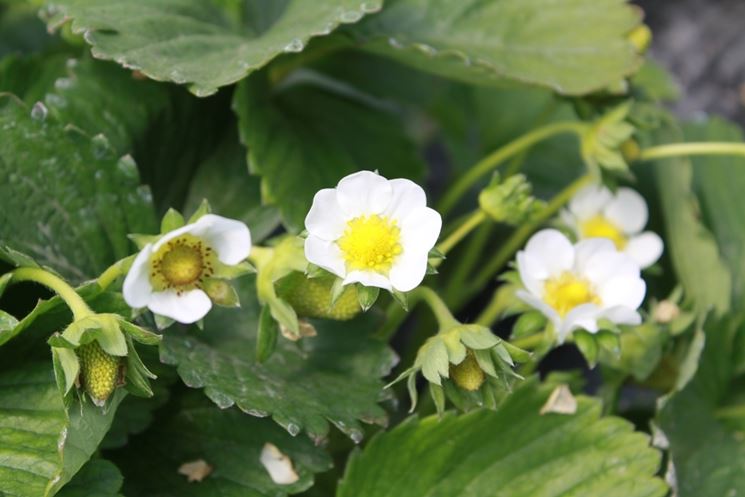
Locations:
{"points": [[373, 231], [168, 275], [575, 286], [596, 212]]}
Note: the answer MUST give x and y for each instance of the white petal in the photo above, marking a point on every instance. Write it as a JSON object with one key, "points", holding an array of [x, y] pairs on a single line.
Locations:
{"points": [[230, 239], [325, 254], [627, 291], [324, 218], [421, 229], [645, 249], [137, 289], [406, 198], [409, 270], [589, 201], [363, 193], [628, 210], [551, 251], [368, 278], [540, 305], [599, 262], [187, 308], [583, 317], [532, 273], [622, 315]]}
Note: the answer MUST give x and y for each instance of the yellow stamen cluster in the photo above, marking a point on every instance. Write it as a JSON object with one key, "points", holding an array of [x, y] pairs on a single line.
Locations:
{"points": [[567, 291], [371, 243], [600, 227], [181, 264]]}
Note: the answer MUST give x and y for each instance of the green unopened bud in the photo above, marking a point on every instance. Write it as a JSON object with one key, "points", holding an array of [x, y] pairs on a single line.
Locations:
{"points": [[99, 372], [468, 374], [509, 201], [313, 297]]}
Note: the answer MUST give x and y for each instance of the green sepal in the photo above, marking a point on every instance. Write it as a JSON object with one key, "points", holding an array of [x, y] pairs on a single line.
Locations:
{"points": [[172, 220], [266, 339], [609, 341], [587, 344], [4, 280], [314, 271], [477, 337], [138, 375], [435, 253], [162, 322], [103, 328], [431, 270], [529, 323], [204, 208], [433, 360], [221, 292], [608, 325], [367, 296], [413, 393], [223, 271], [438, 397], [285, 315], [141, 240], [66, 368], [336, 290], [139, 334], [517, 354], [401, 298]]}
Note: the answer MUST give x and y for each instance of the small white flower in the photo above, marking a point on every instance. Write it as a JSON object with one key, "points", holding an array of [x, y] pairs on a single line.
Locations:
{"points": [[575, 286], [596, 212], [371, 230], [167, 276]]}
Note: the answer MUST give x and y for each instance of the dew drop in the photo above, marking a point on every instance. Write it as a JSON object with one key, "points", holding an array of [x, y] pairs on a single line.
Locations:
{"points": [[128, 167], [356, 436], [370, 7], [55, 100], [296, 45], [100, 146], [395, 43], [351, 16], [292, 429], [39, 111], [63, 83]]}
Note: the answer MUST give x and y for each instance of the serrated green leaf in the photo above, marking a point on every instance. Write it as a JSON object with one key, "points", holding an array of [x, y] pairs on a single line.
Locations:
{"points": [[309, 135], [201, 43], [98, 478], [299, 385], [573, 47], [513, 452], [267, 334], [64, 192], [202, 432]]}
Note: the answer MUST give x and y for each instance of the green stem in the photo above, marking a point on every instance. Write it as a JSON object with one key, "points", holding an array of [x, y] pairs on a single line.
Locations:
{"points": [[67, 293], [520, 236], [678, 149], [114, 271], [494, 309], [730, 412], [491, 161], [395, 315], [475, 219], [468, 258]]}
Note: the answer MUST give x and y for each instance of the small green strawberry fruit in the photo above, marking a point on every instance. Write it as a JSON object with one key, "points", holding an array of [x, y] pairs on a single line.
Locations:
{"points": [[468, 374], [99, 372], [311, 297]]}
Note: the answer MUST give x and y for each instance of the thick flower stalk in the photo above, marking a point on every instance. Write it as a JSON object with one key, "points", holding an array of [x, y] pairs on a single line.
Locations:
{"points": [[579, 286], [372, 231], [596, 212], [181, 273]]}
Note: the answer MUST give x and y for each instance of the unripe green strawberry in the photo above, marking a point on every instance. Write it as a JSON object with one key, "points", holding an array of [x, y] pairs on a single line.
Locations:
{"points": [[468, 374], [99, 371], [311, 297]]}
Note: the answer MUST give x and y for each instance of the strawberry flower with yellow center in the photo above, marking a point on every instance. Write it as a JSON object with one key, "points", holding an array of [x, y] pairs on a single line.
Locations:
{"points": [[373, 231], [177, 275], [596, 212], [576, 286]]}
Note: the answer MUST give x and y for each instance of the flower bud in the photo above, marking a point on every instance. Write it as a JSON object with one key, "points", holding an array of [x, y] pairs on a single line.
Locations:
{"points": [[468, 374], [99, 372]]}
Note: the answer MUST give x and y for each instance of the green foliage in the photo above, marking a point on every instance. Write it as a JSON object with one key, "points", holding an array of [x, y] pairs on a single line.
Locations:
{"points": [[203, 44], [513, 452]]}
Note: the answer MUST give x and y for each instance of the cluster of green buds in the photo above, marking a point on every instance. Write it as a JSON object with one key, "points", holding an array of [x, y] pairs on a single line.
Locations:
{"points": [[605, 143], [97, 354], [510, 200], [465, 363]]}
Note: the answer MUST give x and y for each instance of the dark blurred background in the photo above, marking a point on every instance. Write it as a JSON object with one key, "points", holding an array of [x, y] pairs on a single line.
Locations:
{"points": [[702, 42]]}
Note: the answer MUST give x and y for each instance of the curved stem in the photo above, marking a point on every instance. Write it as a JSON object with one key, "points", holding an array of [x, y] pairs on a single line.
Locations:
{"points": [[475, 219], [520, 236], [491, 161], [67, 293], [530, 341], [468, 258], [114, 271], [395, 315], [682, 149]]}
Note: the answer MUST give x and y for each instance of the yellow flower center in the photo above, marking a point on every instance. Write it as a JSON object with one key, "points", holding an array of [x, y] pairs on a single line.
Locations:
{"points": [[567, 291], [371, 243], [600, 227], [181, 263]]}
